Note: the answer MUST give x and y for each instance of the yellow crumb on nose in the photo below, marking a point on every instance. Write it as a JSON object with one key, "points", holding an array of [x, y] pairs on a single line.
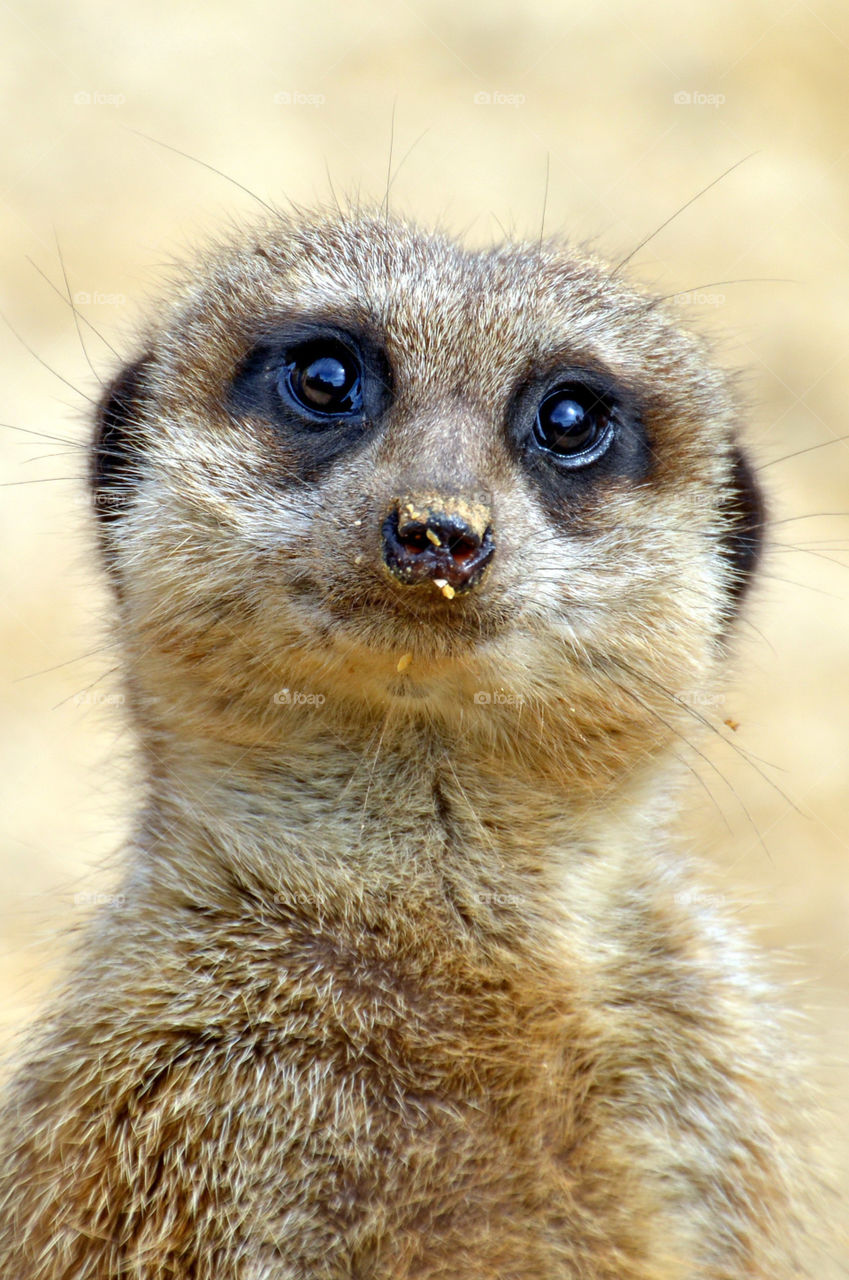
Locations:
{"points": [[432, 537], [447, 590], [404, 662]]}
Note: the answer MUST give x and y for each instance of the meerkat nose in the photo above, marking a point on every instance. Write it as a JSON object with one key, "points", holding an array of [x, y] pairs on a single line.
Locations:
{"points": [[435, 538]]}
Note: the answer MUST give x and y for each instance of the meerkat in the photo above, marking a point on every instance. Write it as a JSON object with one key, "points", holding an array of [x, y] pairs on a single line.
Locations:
{"points": [[420, 557]]}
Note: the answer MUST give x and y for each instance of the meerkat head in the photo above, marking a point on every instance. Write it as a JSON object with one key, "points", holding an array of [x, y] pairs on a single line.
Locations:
{"points": [[358, 464]]}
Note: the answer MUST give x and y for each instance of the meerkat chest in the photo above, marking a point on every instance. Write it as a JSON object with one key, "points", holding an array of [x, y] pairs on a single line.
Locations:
{"points": [[397, 1098]]}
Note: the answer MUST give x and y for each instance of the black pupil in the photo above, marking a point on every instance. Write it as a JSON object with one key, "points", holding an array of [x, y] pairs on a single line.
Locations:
{"points": [[567, 424], [326, 382]]}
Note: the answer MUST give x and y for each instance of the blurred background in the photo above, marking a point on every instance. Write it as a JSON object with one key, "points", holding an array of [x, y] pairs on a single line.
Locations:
{"points": [[606, 119]]}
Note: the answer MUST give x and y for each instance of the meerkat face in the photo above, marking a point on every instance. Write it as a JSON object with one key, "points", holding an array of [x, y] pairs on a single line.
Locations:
{"points": [[359, 458]]}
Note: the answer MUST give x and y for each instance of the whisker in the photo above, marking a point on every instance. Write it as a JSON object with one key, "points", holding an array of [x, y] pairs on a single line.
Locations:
{"points": [[79, 693], [11, 484], [544, 201], [406, 156], [749, 757], [702, 756], [31, 675], [678, 212], [42, 361], [716, 284], [811, 448], [74, 312], [802, 586], [714, 801], [211, 167], [332, 188], [385, 201], [68, 303], [43, 435], [49, 457], [810, 515], [809, 551]]}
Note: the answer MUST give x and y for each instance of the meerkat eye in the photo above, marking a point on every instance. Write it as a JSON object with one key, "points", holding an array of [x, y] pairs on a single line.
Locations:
{"points": [[324, 378], [574, 424]]}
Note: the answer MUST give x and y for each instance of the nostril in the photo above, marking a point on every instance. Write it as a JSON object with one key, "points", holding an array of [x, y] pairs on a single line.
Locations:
{"points": [[438, 534], [414, 540], [462, 549]]}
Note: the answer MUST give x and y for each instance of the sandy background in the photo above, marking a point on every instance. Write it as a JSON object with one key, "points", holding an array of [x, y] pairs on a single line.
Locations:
{"points": [[632, 108]]}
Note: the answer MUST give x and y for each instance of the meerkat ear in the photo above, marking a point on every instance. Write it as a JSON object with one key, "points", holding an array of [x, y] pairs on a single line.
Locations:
{"points": [[744, 512], [116, 451]]}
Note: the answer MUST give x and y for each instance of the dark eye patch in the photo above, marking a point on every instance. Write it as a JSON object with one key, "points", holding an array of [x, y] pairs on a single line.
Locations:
{"points": [[573, 427], [320, 389]]}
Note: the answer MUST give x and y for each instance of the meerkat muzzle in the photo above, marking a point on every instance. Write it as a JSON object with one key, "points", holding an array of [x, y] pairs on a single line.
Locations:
{"points": [[434, 538]]}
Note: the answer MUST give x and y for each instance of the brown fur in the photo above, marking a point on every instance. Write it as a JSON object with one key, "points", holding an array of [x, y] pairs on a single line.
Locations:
{"points": [[405, 982]]}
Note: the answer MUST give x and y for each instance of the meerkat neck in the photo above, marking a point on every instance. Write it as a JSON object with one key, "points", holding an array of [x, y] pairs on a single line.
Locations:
{"points": [[414, 812]]}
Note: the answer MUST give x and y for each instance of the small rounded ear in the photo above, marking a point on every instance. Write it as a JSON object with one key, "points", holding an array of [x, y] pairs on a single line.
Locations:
{"points": [[116, 452], [744, 512]]}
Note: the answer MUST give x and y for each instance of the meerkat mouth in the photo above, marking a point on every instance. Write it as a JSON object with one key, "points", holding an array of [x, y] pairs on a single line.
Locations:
{"points": [[408, 653], [428, 620], [437, 630]]}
